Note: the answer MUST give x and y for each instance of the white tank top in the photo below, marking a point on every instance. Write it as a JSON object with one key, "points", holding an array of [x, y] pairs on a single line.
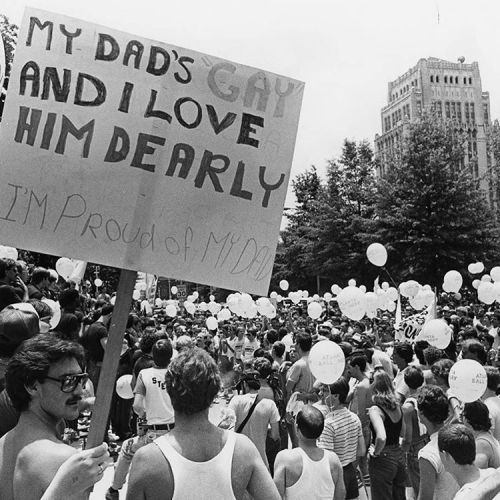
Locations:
{"points": [[315, 482], [210, 480]]}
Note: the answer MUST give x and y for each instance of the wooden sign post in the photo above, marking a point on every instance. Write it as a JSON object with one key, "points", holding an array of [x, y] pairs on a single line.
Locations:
{"points": [[107, 377]]}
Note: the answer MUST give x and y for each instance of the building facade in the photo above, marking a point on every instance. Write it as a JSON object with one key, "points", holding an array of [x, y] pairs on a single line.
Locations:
{"points": [[453, 92]]}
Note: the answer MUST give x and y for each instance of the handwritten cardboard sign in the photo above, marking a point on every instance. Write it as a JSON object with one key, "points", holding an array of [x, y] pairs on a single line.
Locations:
{"points": [[145, 156]]}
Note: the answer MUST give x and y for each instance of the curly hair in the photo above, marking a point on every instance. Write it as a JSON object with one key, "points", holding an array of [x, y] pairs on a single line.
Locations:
{"points": [[32, 362], [192, 381], [442, 369], [433, 403], [383, 391], [263, 366], [478, 416]]}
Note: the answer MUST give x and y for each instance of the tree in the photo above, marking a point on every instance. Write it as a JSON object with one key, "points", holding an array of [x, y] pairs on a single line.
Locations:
{"points": [[9, 35], [431, 215]]}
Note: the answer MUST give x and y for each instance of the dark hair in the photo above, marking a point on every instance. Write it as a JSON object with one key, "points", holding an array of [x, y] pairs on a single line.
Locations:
{"points": [[489, 338], [68, 327], [251, 377], [8, 296], [148, 339], [419, 347], [414, 377], [263, 366], [42, 308], [340, 387], [442, 369], [279, 348], [459, 442], [493, 377], [162, 353], [259, 353], [132, 320], [310, 422], [433, 354], [304, 341], [405, 351], [32, 362], [193, 381], [433, 403], [39, 274], [475, 347], [69, 297], [282, 332], [358, 358], [272, 336], [107, 309], [6, 264], [383, 391], [478, 415]]}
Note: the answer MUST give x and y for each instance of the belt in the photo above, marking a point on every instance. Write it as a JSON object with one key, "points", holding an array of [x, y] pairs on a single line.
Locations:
{"points": [[161, 427]]}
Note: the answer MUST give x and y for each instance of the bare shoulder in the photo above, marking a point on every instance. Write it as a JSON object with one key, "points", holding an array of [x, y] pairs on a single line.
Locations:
{"points": [[287, 457]]}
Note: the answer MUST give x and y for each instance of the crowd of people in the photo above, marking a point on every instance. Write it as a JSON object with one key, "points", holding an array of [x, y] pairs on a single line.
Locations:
{"points": [[389, 428]]}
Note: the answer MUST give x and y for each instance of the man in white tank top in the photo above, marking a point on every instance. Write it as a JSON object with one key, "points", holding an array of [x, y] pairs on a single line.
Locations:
{"points": [[308, 471], [151, 402], [197, 460]]}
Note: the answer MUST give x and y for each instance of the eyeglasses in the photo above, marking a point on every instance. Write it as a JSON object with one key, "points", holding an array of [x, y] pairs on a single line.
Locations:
{"points": [[70, 382]]}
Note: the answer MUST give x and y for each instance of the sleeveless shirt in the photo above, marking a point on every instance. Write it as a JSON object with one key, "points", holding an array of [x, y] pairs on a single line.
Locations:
{"points": [[315, 482], [392, 429], [210, 480]]}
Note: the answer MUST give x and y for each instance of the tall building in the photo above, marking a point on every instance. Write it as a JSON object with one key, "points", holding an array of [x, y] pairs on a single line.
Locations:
{"points": [[451, 90]]}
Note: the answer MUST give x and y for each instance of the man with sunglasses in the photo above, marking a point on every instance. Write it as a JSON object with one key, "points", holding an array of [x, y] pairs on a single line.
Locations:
{"points": [[45, 382]]}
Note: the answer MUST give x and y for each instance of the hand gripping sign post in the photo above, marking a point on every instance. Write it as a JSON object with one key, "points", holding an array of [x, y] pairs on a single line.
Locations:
{"points": [[143, 156]]}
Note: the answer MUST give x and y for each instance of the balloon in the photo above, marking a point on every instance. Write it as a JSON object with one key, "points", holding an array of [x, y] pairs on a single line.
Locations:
{"points": [[486, 277], [171, 310], [495, 273], [212, 323], [124, 387], [211, 298], [98, 282], [284, 285], [190, 298], [64, 267], [351, 282], [476, 283], [476, 268], [392, 293], [409, 288], [305, 294], [486, 292], [362, 288], [326, 361], [453, 281], [56, 312], [467, 380], [136, 295], [327, 297], [190, 307], [214, 307], [436, 332], [377, 254], [224, 315], [203, 306], [371, 299], [295, 297], [457, 296], [196, 295], [391, 306], [273, 295], [352, 303], [335, 289], [385, 286], [158, 302], [314, 310], [174, 290]]}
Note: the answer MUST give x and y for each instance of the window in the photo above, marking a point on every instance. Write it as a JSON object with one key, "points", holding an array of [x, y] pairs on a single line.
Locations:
{"points": [[437, 79], [459, 111], [445, 79], [465, 80], [467, 116], [419, 107], [472, 113], [447, 109], [485, 113], [439, 109], [470, 80], [432, 79], [453, 113], [456, 80]]}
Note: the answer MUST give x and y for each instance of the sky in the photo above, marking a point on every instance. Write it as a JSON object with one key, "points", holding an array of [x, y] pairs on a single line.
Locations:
{"points": [[345, 52]]}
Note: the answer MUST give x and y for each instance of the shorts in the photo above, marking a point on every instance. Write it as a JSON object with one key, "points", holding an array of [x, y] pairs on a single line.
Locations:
{"points": [[350, 482]]}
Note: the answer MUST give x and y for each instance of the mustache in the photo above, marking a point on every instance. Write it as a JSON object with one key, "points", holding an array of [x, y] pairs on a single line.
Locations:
{"points": [[73, 400]]}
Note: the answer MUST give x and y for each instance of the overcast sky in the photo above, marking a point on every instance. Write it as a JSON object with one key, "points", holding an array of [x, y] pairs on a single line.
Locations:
{"points": [[345, 52]]}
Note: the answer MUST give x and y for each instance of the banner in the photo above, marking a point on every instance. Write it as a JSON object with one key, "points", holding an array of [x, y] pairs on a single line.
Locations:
{"points": [[141, 155]]}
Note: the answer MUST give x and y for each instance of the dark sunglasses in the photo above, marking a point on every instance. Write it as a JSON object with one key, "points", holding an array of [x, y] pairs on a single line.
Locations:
{"points": [[70, 382]]}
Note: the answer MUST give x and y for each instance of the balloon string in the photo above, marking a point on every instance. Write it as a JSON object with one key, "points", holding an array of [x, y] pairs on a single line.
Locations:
{"points": [[390, 277]]}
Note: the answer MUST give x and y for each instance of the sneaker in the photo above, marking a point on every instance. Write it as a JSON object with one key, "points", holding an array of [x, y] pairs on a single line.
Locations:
{"points": [[112, 494]]}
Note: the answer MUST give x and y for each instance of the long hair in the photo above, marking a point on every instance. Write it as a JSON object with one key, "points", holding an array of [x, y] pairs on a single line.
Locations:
{"points": [[383, 391]]}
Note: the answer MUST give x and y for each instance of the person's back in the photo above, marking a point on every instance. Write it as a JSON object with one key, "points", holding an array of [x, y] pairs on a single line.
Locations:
{"points": [[308, 471], [226, 465]]}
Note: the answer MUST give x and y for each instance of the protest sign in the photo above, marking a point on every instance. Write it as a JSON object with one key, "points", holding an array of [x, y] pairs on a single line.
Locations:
{"points": [[144, 156]]}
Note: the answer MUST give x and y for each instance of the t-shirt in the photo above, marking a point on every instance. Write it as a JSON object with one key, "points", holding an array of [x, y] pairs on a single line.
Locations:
{"points": [[465, 490], [249, 347], [92, 340], [236, 345], [446, 486], [264, 414], [301, 375], [340, 434]]}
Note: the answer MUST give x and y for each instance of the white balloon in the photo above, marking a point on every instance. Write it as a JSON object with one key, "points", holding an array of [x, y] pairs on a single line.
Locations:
{"points": [[352, 303], [190, 307], [97, 282], [392, 293], [486, 292], [174, 290], [495, 273], [224, 315], [391, 306], [314, 310], [284, 285], [335, 289], [64, 267], [436, 332], [214, 307], [203, 306], [246, 301], [409, 288], [273, 295], [124, 387], [486, 277], [453, 280], [305, 294], [326, 361], [171, 310], [212, 323], [385, 286], [196, 294], [327, 297], [9, 253], [362, 288], [377, 254], [467, 380], [371, 302], [113, 299], [351, 282], [136, 295], [476, 283], [56, 312], [211, 298], [158, 302]]}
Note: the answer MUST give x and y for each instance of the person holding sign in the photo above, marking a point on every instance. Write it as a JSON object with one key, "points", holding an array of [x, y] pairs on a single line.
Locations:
{"points": [[45, 383], [197, 459]]}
